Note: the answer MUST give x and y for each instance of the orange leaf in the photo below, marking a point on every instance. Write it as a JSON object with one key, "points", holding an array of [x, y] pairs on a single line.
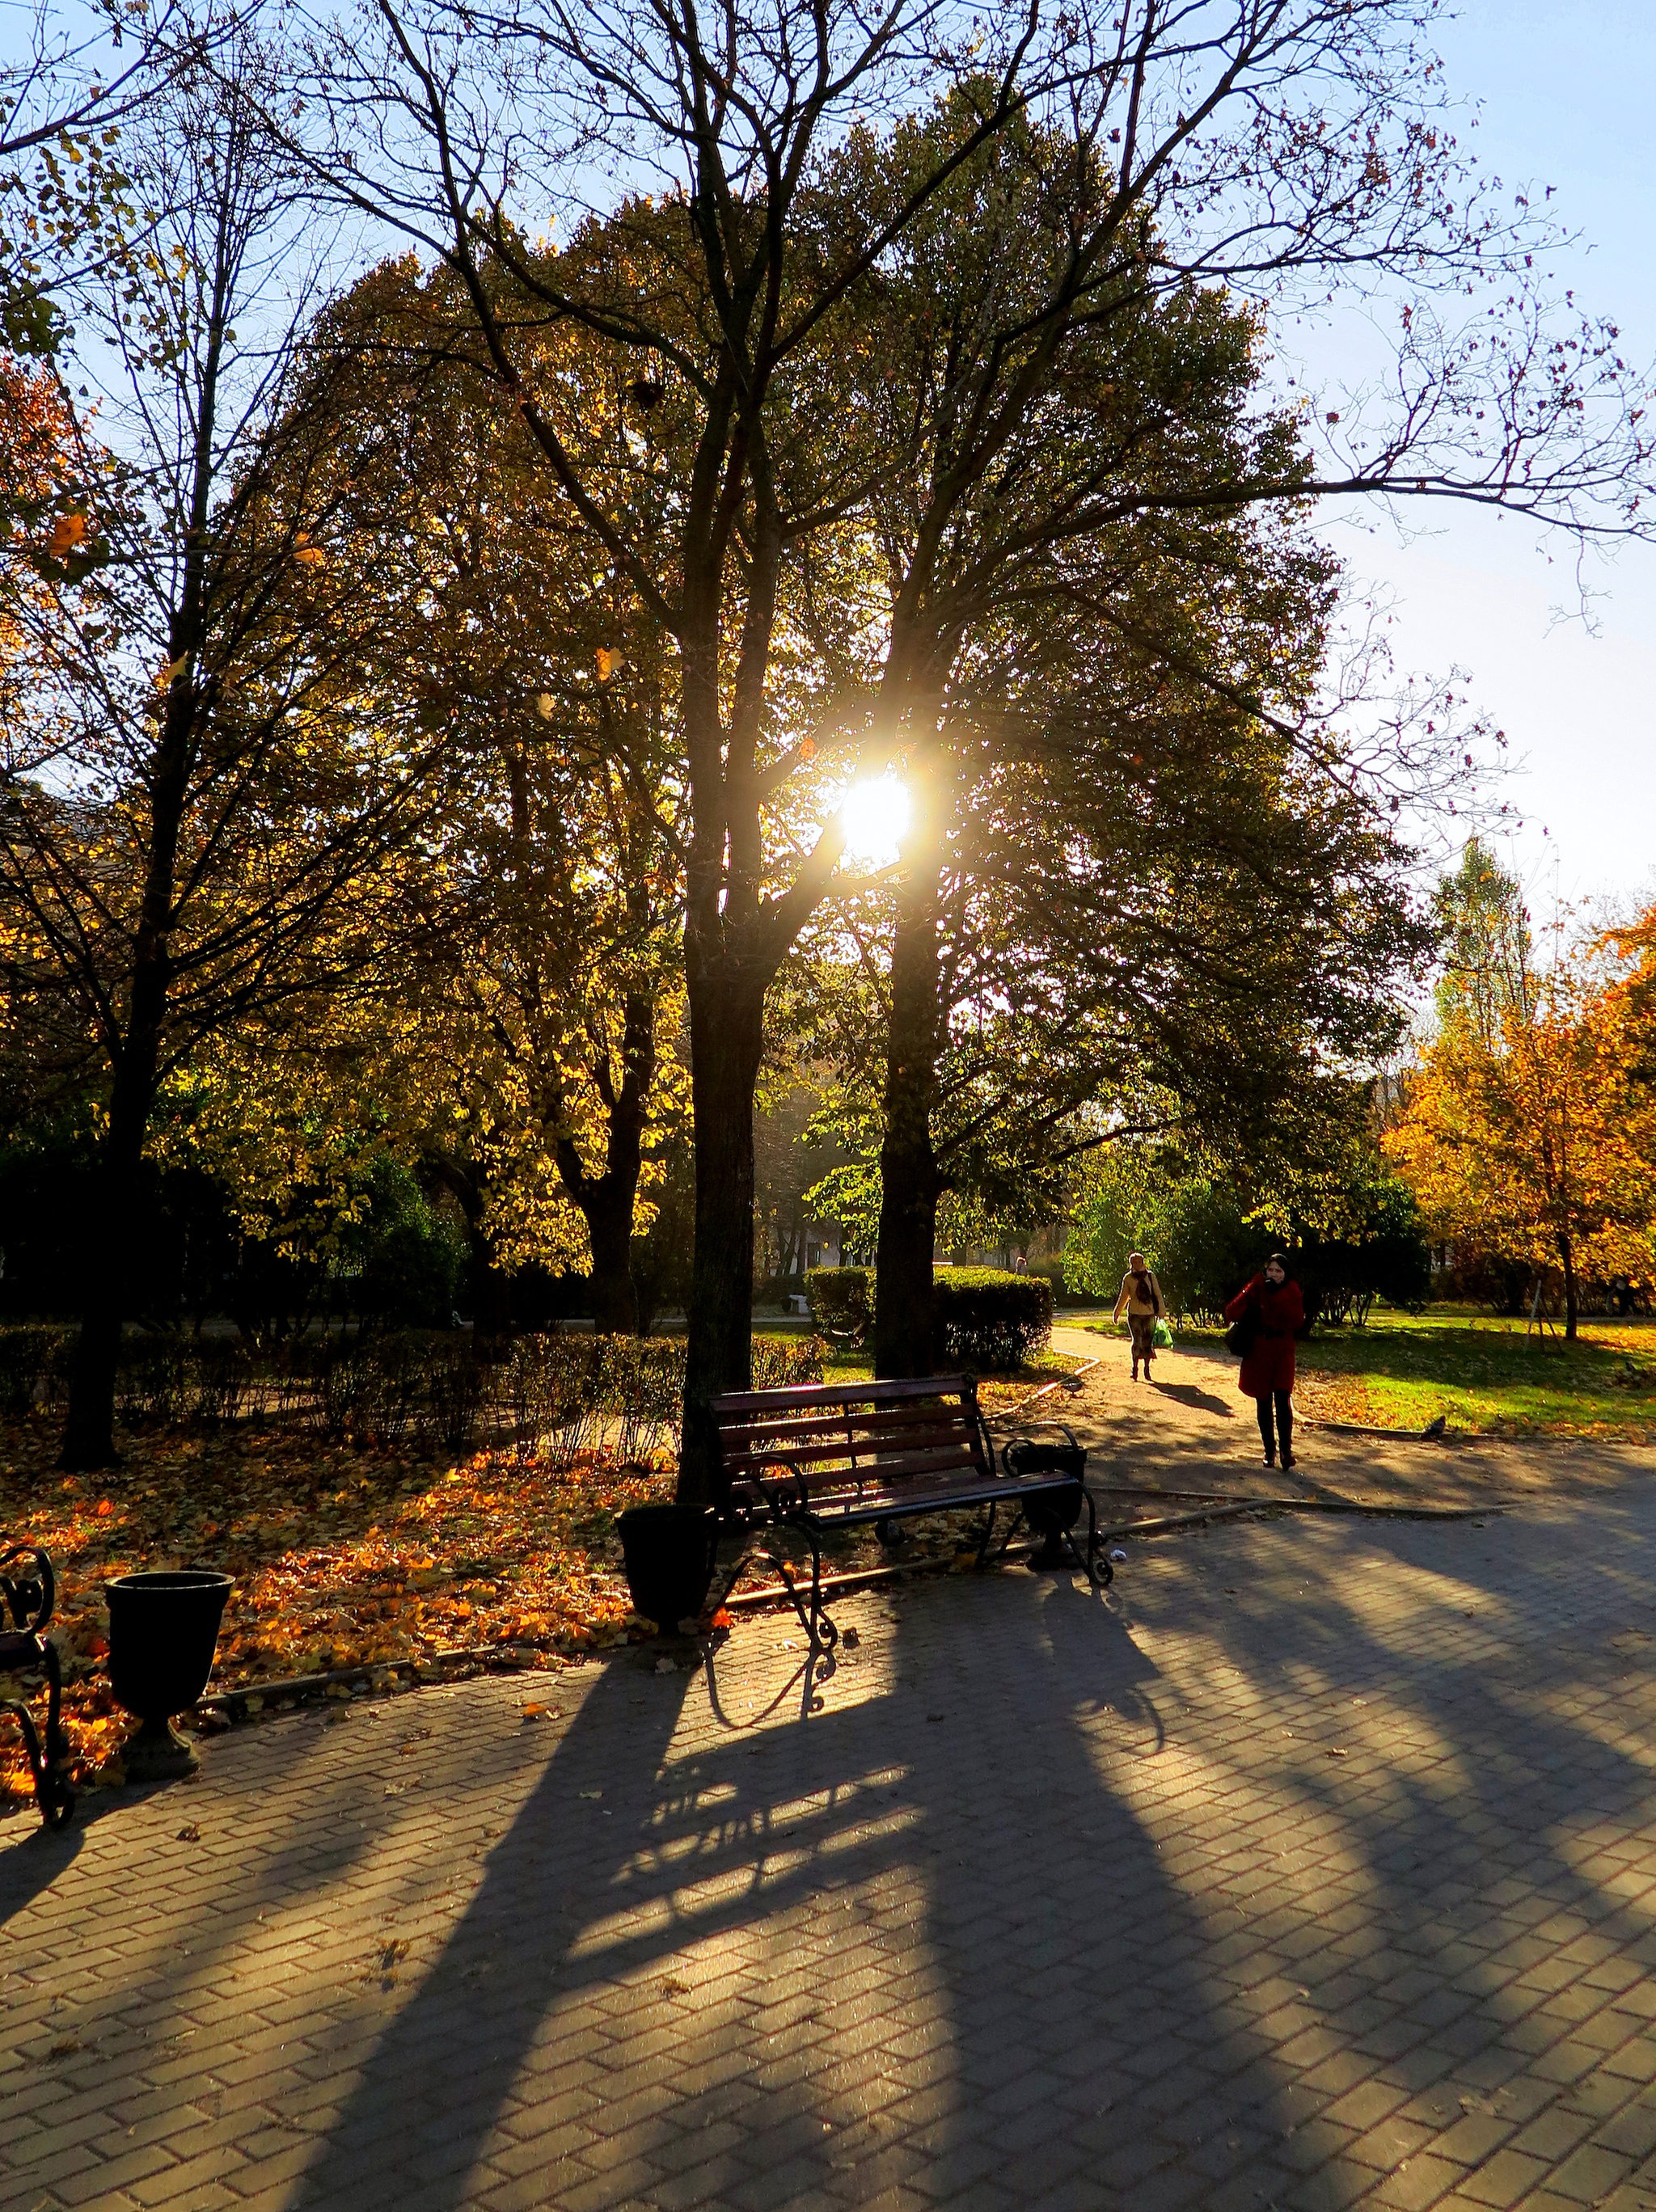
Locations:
{"points": [[67, 533]]}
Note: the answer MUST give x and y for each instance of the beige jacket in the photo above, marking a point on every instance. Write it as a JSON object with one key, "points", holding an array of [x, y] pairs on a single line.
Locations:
{"points": [[1130, 1300]]}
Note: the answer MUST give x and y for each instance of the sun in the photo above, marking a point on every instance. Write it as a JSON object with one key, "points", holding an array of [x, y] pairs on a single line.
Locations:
{"points": [[874, 817]]}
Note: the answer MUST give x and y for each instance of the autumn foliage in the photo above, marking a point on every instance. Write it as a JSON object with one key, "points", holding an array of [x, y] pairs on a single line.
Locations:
{"points": [[1530, 1125]]}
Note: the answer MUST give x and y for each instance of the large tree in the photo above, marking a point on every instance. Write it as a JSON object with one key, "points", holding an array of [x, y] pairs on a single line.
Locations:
{"points": [[187, 837], [553, 999], [1279, 147], [1529, 1125]]}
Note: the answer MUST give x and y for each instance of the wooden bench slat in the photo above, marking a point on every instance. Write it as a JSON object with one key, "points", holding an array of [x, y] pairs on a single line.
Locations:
{"points": [[918, 1463], [874, 1505], [843, 1394], [868, 1449], [915, 1414]]}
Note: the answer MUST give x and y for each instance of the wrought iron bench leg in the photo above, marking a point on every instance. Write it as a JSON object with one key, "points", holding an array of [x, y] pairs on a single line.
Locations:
{"points": [[48, 1761], [813, 1616], [1098, 1572]]}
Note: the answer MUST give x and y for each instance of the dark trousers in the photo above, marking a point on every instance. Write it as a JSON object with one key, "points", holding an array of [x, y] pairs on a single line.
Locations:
{"points": [[1284, 1425]]}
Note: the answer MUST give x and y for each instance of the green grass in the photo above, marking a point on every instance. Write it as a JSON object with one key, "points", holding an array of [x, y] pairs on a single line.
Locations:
{"points": [[1402, 1371]]}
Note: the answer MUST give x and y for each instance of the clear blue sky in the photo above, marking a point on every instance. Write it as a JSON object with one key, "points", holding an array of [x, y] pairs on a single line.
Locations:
{"points": [[1563, 94]]}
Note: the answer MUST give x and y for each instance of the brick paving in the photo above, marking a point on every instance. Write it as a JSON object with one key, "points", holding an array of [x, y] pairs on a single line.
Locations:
{"points": [[1314, 1868]]}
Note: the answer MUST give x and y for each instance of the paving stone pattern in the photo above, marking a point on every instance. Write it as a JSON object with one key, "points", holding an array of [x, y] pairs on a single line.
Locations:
{"points": [[1314, 1868]]}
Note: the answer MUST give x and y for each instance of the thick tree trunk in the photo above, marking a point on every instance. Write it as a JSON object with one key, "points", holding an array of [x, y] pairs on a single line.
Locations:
{"points": [[89, 1431], [1567, 1257], [607, 1200], [909, 1178], [491, 1287], [727, 1031], [609, 1229], [491, 1304]]}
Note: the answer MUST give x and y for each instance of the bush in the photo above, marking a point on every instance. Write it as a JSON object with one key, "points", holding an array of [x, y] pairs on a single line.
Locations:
{"points": [[642, 1384], [786, 1362], [842, 1302], [989, 1321], [28, 1358]]}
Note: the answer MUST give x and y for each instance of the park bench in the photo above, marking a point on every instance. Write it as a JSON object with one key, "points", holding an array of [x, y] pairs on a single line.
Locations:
{"points": [[28, 1591], [833, 1455]]}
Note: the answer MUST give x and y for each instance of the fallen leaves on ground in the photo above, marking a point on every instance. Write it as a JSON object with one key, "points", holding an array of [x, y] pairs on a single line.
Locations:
{"points": [[341, 1558]]}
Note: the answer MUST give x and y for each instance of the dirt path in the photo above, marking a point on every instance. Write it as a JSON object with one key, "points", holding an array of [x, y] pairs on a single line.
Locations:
{"points": [[1191, 1429]]}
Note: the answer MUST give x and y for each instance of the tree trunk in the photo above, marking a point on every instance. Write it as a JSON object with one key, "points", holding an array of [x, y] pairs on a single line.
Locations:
{"points": [[911, 1181], [609, 1230], [727, 1032], [1567, 1257], [607, 1200], [491, 1287], [90, 1430]]}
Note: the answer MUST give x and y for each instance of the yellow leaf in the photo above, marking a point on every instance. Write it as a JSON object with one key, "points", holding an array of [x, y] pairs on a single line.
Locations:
{"points": [[609, 658], [67, 533]]}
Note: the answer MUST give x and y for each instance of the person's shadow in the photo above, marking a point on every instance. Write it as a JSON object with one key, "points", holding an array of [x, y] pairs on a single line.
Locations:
{"points": [[1189, 1394]]}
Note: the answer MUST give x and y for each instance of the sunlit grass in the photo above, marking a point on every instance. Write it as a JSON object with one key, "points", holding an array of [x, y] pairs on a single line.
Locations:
{"points": [[1482, 1371]]}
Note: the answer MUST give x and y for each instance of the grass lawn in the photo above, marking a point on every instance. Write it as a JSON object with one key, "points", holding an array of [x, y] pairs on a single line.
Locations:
{"points": [[1401, 1371]]}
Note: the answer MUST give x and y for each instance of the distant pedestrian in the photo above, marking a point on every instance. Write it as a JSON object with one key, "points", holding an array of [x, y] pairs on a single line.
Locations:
{"points": [[1266, 1313], [1140, 1298]]}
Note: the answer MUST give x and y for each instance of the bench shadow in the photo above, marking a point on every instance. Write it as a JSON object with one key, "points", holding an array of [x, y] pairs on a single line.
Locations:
{"points": [[1001, 1922], [725, 1924]]}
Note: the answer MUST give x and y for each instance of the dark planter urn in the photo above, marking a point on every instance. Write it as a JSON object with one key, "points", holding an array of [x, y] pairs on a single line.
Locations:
{"points": [[163, 1626], [669, 1551]]}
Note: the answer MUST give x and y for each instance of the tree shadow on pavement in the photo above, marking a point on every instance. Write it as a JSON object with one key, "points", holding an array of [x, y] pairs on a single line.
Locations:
{"points": [[1058, 1897]]}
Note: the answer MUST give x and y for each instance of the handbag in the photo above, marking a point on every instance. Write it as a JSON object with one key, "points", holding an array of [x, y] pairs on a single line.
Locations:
{"points": [[1161, 1336], [1242, 1335]]}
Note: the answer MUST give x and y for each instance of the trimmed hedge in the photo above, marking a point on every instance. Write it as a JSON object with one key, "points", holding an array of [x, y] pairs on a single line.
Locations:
{"points": [[989, 1320], [985, 1319], [842, 1302]]}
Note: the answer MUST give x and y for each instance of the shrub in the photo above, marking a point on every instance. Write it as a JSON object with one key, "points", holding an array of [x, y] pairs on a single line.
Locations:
{"points": [[28, 1358], [785, 1363], [988, 1320], [453, 1393], [642, 1385], [226, 1383], [841, 1301]]}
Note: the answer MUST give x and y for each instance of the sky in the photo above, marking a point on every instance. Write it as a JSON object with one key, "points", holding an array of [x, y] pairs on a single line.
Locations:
{"points": [[1561, 93]]}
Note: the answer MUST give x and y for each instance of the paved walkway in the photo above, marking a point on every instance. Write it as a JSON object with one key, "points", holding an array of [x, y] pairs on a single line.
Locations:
{"points": [[1313, 1868], [1193, 1426]]}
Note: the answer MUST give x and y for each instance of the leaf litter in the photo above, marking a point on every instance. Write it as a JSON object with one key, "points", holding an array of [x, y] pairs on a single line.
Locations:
{"points": [[342, 1557]]}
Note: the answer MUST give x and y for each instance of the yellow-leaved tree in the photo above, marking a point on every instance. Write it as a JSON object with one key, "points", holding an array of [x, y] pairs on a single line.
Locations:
{"points": [[1529, 1127]]}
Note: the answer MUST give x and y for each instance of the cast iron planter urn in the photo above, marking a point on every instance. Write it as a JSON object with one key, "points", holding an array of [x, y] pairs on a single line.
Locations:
{"points": [[669, 1551], [163, 1626]]}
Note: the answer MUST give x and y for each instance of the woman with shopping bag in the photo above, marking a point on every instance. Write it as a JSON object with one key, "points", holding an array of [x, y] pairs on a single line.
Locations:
{"points": [[1264, 1315], [1140, 1298]]}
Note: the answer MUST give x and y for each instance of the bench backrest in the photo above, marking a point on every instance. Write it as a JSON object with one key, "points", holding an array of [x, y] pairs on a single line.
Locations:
{"points": [[829, 1436]]}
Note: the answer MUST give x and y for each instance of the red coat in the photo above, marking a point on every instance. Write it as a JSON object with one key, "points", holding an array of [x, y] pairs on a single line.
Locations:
{"points": [[1270, 1365]]}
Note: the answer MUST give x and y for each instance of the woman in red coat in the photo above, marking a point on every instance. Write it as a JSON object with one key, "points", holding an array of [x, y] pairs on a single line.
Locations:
{"points": [[1278, 1310]]}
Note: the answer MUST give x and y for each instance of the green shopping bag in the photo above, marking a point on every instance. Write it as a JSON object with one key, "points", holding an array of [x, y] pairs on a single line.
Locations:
{"points": [[1161, 1336]]}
